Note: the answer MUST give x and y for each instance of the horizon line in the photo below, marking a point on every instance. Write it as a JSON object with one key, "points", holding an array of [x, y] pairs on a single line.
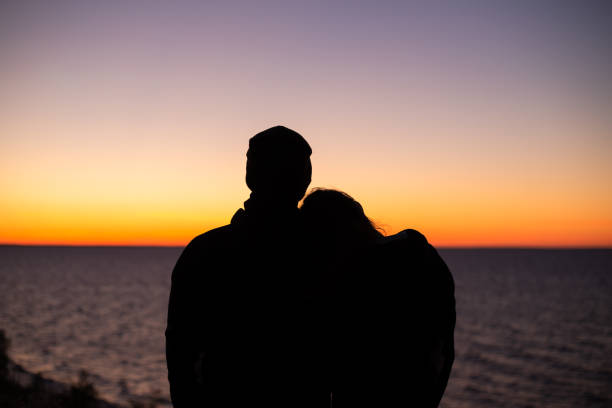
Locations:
{"points": [[551, 247]]}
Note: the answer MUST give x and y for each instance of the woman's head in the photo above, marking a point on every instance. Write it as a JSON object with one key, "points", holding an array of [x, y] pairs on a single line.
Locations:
{"points": [[336, 216]]}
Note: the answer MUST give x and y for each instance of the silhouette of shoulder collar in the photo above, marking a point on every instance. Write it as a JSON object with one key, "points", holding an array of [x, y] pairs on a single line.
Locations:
{"points": [[238, 217], [257, 210]]}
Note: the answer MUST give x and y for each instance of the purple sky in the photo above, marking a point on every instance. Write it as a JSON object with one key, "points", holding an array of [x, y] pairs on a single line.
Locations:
{"points": [[405, 104]]}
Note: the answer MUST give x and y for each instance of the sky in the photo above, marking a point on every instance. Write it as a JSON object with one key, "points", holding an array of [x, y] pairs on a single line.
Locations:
{"points": [[477, 123]]}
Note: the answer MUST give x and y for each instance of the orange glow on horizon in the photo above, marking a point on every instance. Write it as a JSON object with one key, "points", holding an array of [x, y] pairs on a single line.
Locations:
{"points": [[166, 229]]}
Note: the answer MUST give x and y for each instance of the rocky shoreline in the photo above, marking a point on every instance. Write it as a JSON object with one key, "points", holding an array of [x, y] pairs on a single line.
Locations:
{"points": [[20, 388]]}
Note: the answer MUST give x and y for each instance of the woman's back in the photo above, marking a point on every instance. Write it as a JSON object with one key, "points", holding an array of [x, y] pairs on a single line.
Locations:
{"points": [[387, 306]]}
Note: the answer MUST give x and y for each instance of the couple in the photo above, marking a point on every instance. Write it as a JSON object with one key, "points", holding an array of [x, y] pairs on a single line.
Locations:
{"points": [[309, 307]]}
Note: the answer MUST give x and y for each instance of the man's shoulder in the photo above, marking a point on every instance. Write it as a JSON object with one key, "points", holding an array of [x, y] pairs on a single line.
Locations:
{"points": [[206, 248], [214, 237]]}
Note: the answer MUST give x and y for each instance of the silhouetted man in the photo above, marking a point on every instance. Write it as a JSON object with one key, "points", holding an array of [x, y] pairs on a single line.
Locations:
{"points": [[234, 335]]}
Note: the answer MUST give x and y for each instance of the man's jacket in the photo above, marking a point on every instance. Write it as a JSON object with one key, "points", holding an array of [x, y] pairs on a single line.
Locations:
{"points": [[235, 335]]}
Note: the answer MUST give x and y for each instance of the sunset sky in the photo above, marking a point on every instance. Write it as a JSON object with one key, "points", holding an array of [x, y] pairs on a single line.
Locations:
{"points": [[477, 123]]}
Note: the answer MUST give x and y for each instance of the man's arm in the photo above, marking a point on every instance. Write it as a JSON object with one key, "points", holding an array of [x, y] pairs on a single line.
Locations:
{"points": [[443, 350], [430, 307], [182, 330]]}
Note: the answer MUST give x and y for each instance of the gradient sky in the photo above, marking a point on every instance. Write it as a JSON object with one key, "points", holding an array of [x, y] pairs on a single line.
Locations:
{"points": [[477, 123]]}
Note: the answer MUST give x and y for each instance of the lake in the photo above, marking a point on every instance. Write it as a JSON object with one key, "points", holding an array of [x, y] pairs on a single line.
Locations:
{"points": [[534, 326]]}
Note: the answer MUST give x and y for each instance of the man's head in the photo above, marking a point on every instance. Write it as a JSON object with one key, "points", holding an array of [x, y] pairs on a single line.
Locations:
{"points": [[278, 164]]}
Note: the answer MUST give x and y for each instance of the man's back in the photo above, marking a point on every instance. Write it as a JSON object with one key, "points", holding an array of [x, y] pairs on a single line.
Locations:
{"points": [[235, 312]]}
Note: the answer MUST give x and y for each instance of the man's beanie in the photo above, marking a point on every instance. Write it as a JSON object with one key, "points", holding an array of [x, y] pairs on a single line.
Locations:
{"points": [[278, 163]]}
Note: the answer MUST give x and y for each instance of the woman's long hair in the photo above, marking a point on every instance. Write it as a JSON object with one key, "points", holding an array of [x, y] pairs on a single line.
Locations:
{"points": [[338, 219]]}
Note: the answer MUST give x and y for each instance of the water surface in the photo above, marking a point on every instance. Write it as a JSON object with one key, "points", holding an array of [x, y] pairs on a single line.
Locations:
{"points": [[534, 327]]}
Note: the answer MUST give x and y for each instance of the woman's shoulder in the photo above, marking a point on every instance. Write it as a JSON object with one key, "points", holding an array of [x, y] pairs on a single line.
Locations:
{"points": [[407, 236]]}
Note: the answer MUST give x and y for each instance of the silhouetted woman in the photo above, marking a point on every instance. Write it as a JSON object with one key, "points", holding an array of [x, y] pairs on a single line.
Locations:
{"points": [[386, 310]]}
